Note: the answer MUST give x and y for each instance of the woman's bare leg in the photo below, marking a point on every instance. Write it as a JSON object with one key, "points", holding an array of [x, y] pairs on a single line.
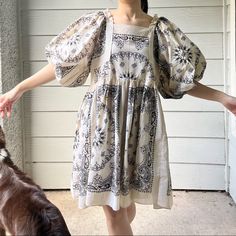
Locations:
{"points": [[117, 221], [131, 211]]}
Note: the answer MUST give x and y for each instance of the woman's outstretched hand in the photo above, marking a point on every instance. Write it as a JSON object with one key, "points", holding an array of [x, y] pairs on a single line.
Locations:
{"points": [[45, 75], [205, 92], [230, 103], [7, 100]]}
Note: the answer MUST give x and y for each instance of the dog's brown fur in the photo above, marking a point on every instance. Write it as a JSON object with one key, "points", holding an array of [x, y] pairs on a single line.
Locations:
{"points": [[24, 208]]}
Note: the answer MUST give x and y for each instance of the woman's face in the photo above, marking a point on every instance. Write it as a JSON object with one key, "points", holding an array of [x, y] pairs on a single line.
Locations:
{"points": [[129, 1]]}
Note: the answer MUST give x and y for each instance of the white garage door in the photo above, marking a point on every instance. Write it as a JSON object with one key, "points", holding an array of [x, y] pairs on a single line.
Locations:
{"points": [[197, 155]]}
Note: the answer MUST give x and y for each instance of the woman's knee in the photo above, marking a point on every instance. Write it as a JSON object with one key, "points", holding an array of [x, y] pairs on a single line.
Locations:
{"points": [[132, 207], [114, 216], [131, 212]]}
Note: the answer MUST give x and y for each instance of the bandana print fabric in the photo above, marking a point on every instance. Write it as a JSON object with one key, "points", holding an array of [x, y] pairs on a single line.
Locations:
{"points": [[120, 149]]}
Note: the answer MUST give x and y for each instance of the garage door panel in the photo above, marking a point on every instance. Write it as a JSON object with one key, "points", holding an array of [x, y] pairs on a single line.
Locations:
{"points": [[212, 76], [46, 99], [56, 98], [182, 124], [184, 176], [52, 175], [62, 4], [54, 124], [210, 45], [181, 150], [49, 149], [50, 22], [32, 67], [195, 176], [195, 124], [197, 150]]}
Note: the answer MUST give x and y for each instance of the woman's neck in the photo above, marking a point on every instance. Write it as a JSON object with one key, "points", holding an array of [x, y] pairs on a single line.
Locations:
{"points": [[130, 9]]}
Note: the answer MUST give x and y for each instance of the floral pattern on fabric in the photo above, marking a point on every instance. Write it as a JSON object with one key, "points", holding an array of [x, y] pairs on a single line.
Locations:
{"points": [[72, 50], [180, 61], [108, 173], [120, 149]]}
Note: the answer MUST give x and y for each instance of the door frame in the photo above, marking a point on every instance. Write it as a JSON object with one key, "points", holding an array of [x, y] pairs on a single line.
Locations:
{"points": [[232, 85]]}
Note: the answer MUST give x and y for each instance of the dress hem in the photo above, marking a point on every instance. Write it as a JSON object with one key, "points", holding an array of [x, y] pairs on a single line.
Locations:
{"points": [[107, 198]]}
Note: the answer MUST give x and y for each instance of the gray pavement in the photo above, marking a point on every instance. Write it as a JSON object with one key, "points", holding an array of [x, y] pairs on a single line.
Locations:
{"points": [[193, 213]]}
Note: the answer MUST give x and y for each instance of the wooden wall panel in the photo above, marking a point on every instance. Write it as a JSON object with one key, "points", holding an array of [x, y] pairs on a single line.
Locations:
{"points": [[195, 126], [91, 4], [184, 176], [51, 22]]}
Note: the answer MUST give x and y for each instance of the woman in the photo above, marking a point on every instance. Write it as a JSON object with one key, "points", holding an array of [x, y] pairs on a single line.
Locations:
{"points": [[120, 146]]}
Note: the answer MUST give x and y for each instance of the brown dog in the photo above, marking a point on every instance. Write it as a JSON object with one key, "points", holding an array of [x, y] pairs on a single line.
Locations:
{"points": [[24, 208]]}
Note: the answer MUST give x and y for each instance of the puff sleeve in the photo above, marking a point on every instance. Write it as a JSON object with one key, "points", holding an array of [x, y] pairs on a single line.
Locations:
{"points": [[179, 61], [71, 51]]}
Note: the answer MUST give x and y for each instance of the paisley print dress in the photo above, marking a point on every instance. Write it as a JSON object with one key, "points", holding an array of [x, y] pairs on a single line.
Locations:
{"points": [[120, 149]]}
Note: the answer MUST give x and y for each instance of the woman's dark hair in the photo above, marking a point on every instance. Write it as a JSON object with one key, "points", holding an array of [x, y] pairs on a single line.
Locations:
{"points": [[144, 5]]}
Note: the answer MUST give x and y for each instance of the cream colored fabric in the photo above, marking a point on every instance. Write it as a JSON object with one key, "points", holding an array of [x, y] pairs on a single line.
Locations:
{"points": [[181, 62], [120, 151]]}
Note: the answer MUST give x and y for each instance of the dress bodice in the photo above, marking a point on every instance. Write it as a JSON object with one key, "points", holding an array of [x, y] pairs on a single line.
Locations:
{"points": [[94, 45]]}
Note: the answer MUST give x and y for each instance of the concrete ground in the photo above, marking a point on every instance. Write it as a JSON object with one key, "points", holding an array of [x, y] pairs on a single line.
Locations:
{"points": [[193, 213]]}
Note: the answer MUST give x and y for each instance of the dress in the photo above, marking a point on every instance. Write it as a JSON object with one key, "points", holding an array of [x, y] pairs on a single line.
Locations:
{"points": [[120, 149]]}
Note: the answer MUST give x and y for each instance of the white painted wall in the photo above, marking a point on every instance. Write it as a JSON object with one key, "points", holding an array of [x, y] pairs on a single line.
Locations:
{"points": [[230, 4], [195, 127]]}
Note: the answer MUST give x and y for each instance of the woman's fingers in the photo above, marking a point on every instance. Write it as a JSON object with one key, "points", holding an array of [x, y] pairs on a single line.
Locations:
{"points": [[8, 108], [3, 102], [8, 111], [2, 113], [5, 108], [6, 102]]}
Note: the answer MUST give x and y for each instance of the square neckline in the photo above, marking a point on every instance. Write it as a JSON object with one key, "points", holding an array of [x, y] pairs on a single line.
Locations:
{"points": [[110, 16]]}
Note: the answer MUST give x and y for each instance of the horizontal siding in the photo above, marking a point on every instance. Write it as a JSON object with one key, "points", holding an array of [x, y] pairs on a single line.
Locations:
{"points": [[207, 177], [189, 103], [210, 45], [228, 23], [46, 99], [52, 22], [179, 124], [211, 76], [204, 177], [60, 150], [91, 4], [228, 49], [29, 68], [195, 127], [195, 124], [231, 82], [55, 175], [193, 150]]}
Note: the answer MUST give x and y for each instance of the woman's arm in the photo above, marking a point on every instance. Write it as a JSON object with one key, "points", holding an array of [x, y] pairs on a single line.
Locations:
{"points": [[45, 75], [204, 92]]}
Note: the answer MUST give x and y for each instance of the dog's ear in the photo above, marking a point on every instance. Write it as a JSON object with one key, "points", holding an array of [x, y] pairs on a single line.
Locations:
{"points": [[2, 138]]}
